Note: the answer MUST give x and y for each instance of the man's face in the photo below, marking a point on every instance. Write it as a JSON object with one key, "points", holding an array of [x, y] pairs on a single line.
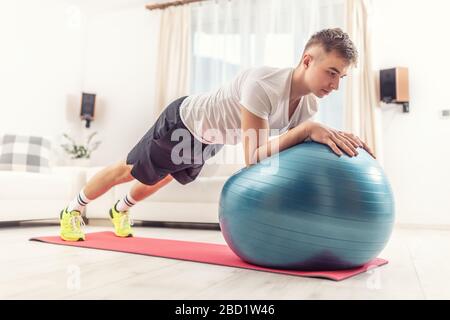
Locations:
{"points": [[324, 72]]}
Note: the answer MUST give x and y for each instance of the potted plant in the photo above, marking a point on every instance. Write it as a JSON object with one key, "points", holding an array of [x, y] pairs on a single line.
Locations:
{"points": [[80, 153]]}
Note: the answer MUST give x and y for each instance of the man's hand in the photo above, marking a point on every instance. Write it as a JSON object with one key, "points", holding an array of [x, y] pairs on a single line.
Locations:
{"points": [[336, 140]]}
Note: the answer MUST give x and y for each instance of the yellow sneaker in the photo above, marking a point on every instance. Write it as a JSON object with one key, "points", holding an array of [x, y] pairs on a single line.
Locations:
{"points": [[71, 225], [122, 222]]}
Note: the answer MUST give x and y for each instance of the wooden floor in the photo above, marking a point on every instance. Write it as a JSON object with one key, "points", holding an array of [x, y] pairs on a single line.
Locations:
{"points": [[419, 268]]}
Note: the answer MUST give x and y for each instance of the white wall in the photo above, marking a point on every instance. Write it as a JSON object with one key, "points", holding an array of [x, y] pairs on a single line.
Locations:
{"points": [[40, 65], [416, 146], [120, 55], [52, 50]]}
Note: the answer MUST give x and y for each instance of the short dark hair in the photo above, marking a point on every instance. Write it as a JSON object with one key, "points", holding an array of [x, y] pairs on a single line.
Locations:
{"points": [[335, 40]]}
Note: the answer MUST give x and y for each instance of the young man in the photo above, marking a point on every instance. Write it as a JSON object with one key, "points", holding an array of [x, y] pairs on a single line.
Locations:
{"points": [[257, 100]]}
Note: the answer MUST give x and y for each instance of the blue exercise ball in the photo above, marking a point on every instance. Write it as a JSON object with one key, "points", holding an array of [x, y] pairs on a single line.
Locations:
{"points": [[314, 211]]}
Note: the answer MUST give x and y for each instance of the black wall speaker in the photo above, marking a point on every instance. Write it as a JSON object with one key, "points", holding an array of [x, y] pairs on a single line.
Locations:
{"points": [[394, 86], [87, 108]]}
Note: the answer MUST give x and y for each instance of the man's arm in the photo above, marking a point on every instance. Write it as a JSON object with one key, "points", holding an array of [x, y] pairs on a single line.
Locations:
{"points": [[255, 132], [257, 147]]}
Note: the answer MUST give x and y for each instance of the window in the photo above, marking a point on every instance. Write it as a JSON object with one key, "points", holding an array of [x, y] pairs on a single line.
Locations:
{"points": [[230, 36]]}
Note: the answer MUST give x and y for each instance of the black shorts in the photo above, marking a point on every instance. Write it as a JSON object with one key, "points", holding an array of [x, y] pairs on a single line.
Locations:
{"points": [[152, 157]]}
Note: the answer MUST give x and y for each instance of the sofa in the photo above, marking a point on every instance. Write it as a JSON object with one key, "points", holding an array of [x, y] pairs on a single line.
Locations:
{"points": [[36, 196], [28, 196], [196, 202]]}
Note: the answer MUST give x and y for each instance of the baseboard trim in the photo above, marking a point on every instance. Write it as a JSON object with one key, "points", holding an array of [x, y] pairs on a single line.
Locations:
{"points": [[161, 224], [182, 225], [443, 227]]}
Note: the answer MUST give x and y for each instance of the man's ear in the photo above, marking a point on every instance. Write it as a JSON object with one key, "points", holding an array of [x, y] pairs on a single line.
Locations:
{"points": [[307, 59]]}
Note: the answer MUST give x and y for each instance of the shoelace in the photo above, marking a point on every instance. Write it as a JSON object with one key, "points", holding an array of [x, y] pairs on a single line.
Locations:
{"points": [[126, 221], [75, 220]]}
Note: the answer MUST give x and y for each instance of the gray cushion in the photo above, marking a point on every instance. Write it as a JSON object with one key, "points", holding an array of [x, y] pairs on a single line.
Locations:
{"points": [[24, 153]]}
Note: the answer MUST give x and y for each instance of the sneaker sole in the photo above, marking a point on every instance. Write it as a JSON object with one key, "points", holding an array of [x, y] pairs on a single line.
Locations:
{"points": [[127, 236], [71, 240]]}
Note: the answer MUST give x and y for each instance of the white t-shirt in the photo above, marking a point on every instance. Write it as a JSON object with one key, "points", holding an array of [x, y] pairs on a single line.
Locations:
{"points": [[214, 117]]}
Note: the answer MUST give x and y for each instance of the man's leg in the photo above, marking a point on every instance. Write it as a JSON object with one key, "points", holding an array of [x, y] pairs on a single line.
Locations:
{"points": [[105, 179], [119, 212], [140, 191], [99, 184]]}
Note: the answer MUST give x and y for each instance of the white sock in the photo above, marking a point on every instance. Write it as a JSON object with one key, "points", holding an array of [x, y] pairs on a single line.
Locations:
{"points": [[79, 202], [126, 203]]}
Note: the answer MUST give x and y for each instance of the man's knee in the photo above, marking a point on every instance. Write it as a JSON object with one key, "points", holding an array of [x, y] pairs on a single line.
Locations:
{"points": [[165, 181], [122, 171]]}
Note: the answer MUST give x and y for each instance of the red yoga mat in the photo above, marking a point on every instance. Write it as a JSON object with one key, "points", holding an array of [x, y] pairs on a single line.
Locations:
{"points": [[218, 254]]}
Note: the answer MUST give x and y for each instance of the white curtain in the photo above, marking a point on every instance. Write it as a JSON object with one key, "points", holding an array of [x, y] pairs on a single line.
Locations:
{"points": [[173, 58], [361, 95], [232, 35]]}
